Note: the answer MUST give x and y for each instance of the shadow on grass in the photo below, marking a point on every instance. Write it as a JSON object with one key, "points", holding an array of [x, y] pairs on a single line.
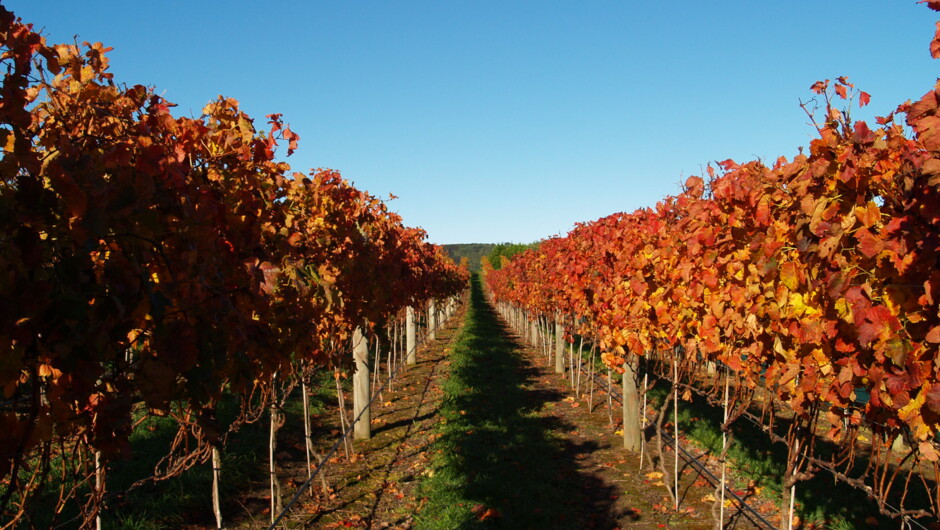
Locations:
{"points": [[820, 499], [500, 464]]}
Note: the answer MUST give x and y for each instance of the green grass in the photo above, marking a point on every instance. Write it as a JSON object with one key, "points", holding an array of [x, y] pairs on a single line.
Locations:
{"points": [[494, 451], [186, 498]]}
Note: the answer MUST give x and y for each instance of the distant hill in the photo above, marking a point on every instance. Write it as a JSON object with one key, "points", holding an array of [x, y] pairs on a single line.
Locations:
{"points": [[472, 251]]}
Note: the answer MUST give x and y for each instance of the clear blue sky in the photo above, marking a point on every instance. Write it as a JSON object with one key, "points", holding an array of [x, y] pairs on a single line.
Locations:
{"points": [[507, 120]]}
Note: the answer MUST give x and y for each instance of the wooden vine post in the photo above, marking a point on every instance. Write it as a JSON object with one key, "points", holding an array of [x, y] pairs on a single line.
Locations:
{"points": [[632, 432], [99, 486], [792, 477], [411, 354], [642, 417], [724, 453], [675, 421], [277, 419], [216, 479], [534, 331], [361, 390], [559, 345], [432, 320]]}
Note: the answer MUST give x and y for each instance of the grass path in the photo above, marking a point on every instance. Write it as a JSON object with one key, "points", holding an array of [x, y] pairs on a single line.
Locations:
{"points": [[518, 450], [499, 462]]}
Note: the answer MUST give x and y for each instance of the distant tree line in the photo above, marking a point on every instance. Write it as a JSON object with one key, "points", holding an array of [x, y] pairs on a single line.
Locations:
{"points": [[509, 250], [474, 252]]}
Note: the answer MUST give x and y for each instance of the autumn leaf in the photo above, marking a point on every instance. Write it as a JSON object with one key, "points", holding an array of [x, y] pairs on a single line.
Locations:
{"points": [[935, 43], [928, 451], [789, 275], [933, 335]]}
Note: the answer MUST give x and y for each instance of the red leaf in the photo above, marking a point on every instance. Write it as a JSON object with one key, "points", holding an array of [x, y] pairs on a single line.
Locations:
{"points": [[933, 398], [842, 93], [935, 44], [932, 4], [925, 106], [868, 244], [896, 382], [928, 132], [763, 211], [819, 86], [292, 139], [878, 322], [863, 98], [862, 133]]}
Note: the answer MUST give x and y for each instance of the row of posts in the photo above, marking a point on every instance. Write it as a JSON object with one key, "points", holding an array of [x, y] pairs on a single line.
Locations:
{"points": [[632, 431], [362, 395], [633, 411]]}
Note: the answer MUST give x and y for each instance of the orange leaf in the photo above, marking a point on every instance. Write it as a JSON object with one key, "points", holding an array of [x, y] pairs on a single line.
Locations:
{"points": [[933, 335]]}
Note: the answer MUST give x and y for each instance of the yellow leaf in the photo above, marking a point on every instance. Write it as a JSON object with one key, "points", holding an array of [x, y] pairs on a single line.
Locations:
{"points": [[798, 306], [9, 142], [654, 475], [844, 311], [910, 414], [825, 367]]}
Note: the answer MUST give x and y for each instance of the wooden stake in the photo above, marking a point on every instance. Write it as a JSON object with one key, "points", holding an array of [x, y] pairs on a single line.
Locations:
{"points": [[99, 485], [571, 364], [303, 390], [580, 364], [432, 321], [632, 421], [675, 422], [361, 395], [724, 455], [793, 489], [216, 478], [341, 401], [591, 375], [610, 398], [642, 419], [272, 469], [410, 343]]}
